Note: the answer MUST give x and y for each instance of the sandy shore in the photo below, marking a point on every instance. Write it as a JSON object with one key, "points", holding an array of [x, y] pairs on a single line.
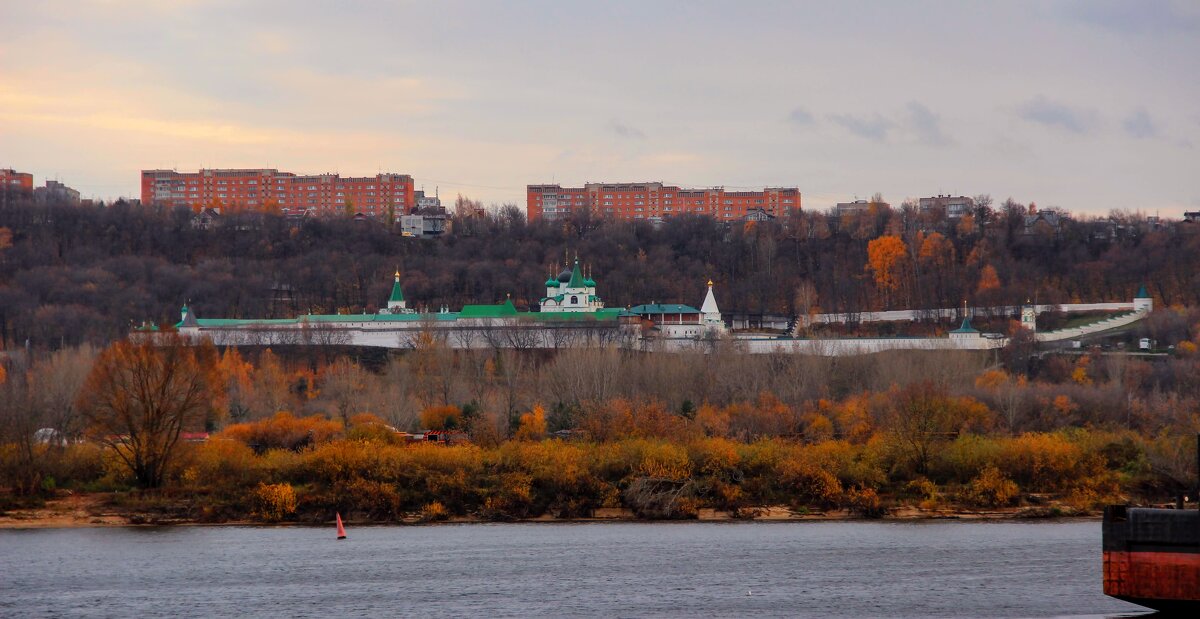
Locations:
{"points": [[94, 510], [76, 510]]}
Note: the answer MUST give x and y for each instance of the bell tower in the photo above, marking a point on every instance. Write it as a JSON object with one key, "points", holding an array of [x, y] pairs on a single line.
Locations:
{"points": [[1029, 317]]}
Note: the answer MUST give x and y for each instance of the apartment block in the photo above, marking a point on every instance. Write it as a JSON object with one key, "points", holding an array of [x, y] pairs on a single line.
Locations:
{"points": [[378, 196], [858, 207], [15, 184], [655, 201], [56, 192], [953, 206]]}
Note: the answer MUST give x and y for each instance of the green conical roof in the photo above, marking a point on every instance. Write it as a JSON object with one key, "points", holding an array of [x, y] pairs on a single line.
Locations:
{"points": [[397, 294], [966, 327], [1142, 294], [576, 277]]}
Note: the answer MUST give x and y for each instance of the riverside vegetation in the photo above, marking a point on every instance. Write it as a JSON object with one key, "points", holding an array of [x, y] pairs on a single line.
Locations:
{"points": [[300, 432], [295, 438]]}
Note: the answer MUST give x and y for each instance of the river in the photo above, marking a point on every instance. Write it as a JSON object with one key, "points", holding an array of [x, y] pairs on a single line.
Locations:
{"points": [[808, 569]]}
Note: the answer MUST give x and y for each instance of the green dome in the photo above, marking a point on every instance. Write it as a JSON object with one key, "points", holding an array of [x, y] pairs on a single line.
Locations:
{"points": [[589, 282], [552, 283]]}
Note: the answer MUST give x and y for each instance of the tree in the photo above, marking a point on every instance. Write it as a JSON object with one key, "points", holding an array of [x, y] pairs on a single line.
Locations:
{"points": [[988, 279], [887, 258], [139, 398], [20, 419], [56, 381], [532, 426], [345, 385], [922, 416]]}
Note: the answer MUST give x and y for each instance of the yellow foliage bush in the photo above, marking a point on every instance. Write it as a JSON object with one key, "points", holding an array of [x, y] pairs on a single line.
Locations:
{"points": [[441, 418], [991, 379], [274, 502], [714, 456], [991, 489], [1040, 462], [809, 483], [283, 431], [433, 512], [223, 463], [818, 427]]}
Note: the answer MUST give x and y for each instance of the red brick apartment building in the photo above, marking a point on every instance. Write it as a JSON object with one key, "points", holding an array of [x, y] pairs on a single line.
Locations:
{"points": [[319, 194], [14, 184], [655, 200]]}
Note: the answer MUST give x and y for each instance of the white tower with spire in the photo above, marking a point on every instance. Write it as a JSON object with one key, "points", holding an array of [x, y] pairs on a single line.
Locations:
{"points": [[396, 303], [710, 314]]}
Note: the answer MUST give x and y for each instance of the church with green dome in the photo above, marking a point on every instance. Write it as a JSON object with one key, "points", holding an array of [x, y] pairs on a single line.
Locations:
{"points": [[570, 292]]}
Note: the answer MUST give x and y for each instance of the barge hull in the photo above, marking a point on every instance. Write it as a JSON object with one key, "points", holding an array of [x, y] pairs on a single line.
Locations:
{"points": [[1152, 557]]}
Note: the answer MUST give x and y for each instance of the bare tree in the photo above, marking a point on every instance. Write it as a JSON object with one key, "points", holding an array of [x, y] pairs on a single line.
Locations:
{"points": [[57, 380], [345, 386], [139, 398], [20, 420]]}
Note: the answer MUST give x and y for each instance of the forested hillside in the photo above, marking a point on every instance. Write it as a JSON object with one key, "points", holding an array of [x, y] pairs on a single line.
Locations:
{"points": [[70, 275]]}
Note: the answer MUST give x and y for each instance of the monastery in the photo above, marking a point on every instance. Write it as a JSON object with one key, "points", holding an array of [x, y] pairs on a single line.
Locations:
{"points": [[571, 315]]}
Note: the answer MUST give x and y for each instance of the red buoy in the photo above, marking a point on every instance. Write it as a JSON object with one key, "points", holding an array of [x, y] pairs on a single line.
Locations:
{"points": [[341, 531]]}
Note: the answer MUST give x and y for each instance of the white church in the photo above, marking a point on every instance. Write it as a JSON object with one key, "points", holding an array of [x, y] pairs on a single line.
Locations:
{"points": [[571, 292]]}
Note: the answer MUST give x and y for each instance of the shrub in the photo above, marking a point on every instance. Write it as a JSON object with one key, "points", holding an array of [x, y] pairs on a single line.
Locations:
{"points": [[274, 502], [1040, 462], [78, 465], [433, 512], [864, 501], [991, 489], [283, 431], [222, 464], [441, 418], [926, 492], [809, 483]]}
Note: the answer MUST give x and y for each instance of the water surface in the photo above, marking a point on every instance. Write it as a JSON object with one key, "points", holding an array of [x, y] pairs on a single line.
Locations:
{"points": [[810, 569]]}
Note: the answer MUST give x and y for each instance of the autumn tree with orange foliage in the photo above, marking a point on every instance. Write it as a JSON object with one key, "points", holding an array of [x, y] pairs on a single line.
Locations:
{"points": [[140, 397], [937, 258], [988, 280], [532, 425], [447, 417], [887, 259]]}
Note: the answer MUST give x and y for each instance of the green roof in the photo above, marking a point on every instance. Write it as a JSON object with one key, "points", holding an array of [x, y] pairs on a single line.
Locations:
{"points": [[966, 327], [552, 283], [589, 282], [598, 315], [489, 311], [1142, 294], [576, 277], [397, 294]]}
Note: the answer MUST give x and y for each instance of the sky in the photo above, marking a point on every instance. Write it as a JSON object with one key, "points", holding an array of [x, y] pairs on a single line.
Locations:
{"points": [[1087, 105]]}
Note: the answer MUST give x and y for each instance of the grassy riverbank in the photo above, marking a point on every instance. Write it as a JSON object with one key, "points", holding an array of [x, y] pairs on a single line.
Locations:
{"points": [[369, 474]]}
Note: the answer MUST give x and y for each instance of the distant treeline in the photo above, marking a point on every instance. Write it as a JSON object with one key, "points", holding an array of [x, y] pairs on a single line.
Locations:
{"points": [[70, 274]]}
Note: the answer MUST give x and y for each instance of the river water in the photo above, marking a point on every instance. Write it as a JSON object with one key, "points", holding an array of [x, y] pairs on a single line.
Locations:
{"points": [[809, 569]]}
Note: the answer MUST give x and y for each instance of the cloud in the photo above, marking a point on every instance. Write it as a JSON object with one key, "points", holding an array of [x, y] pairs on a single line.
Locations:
{"points": [[1135, 17], [800, 117], [1140, 125], [1043, 111], [926, 125], [626, 131], [873, 128]]}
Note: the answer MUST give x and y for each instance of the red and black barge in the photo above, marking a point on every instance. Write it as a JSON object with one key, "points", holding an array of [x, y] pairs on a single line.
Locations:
{"points": [[1152, 556]]}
